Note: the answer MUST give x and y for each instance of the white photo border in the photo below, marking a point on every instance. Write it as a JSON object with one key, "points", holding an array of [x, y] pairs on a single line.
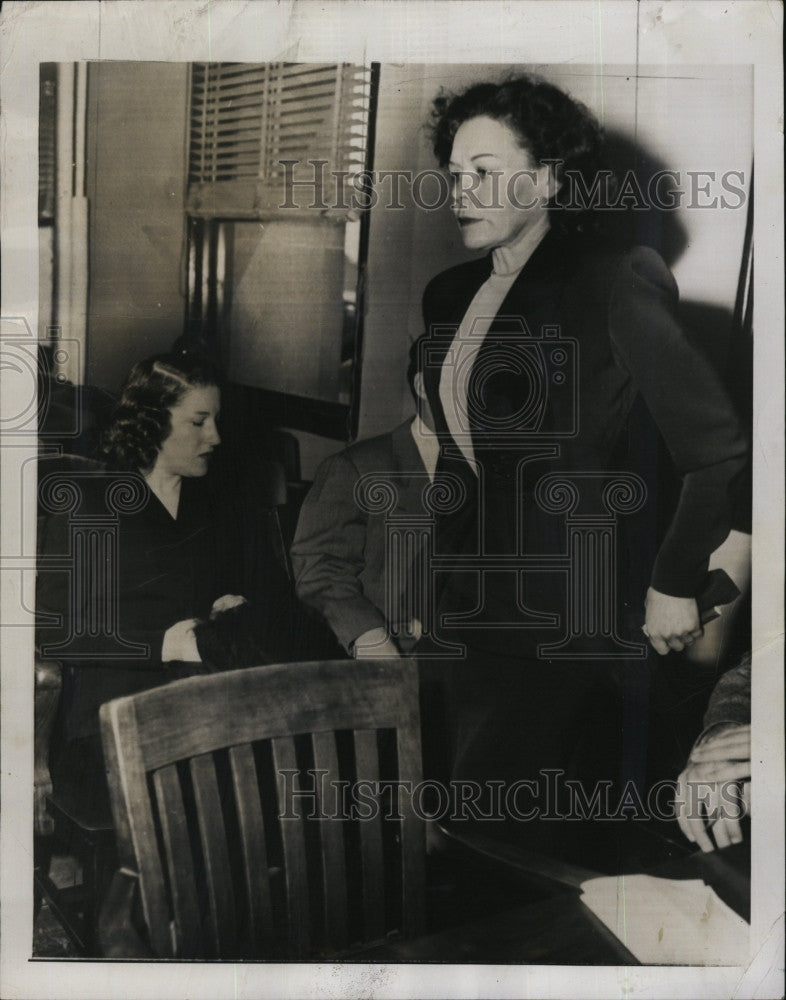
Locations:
{"points": [[400, 31]]}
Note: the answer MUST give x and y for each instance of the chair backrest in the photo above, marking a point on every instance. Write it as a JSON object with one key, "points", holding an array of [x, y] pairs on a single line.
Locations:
{"points": [[285, 448], [270, 479], [251, 493], [263, 496], [225, 805]]}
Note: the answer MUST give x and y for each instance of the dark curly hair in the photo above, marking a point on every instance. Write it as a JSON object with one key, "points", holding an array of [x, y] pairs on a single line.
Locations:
{"points": [[141, 421], [549, 124]]}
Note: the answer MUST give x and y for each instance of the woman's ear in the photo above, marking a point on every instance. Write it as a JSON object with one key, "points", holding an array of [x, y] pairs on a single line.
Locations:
{"points": [[548, 181]]}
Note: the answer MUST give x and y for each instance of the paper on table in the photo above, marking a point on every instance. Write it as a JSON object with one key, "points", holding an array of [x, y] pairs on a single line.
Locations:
{"points": [[668, 921]]}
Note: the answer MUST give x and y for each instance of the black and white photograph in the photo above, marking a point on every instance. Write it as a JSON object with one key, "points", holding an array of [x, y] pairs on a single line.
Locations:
{"points": [[392, 499]]}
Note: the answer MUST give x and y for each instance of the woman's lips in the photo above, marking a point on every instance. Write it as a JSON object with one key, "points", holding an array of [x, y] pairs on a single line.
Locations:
{"points": [[468, 222]]}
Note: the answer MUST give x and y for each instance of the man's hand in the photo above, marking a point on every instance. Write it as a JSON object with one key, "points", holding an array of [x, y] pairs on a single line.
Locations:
{"points": [[707, 792], [180, 643], [670, 622], [374, 644], [225, 603]]}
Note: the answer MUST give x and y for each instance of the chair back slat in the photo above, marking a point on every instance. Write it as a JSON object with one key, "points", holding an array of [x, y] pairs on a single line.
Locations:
{"points": [[179, 861], [371, 855], [254, 850], [215, 856], [413, 842], [331, 828], [294, 849]]}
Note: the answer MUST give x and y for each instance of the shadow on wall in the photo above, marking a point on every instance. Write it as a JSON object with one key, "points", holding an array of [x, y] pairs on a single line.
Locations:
{"points": [[647, 212], [647, 187]]}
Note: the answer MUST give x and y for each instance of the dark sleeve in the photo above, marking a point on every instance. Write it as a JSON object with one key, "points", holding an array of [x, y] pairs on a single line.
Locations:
{"points": [[692, 410], [328, 552], [57, 613], [730, 701]]}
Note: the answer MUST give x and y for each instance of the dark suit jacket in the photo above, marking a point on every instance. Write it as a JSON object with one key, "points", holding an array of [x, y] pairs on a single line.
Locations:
{"points": [[614, 314], [165, 570], [338, 555]]}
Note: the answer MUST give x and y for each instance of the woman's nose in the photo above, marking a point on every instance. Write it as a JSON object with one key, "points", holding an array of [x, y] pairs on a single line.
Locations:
{"points": [[458, 195], [464, 183], [213, 436]]}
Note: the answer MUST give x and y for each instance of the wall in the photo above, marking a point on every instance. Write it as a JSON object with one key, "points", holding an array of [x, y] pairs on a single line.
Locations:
{"points": [[136, 179]]}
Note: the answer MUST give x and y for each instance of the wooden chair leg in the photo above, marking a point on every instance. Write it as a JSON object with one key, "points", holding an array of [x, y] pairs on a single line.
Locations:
{"points": [[65, 906], [76, 908]]}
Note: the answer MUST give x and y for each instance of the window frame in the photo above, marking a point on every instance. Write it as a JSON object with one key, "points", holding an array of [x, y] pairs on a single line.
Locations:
{"points": [[208, 296]]}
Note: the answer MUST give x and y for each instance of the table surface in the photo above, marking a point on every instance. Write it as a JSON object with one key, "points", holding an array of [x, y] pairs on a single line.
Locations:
{"points": [[559, 929]]}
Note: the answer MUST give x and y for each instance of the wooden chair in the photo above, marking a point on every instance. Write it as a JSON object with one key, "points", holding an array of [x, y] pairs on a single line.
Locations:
{"points": [[230, 861]]}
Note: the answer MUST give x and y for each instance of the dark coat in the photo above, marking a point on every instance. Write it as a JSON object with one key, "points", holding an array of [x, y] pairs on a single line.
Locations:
{"points": [[156, 571], [582, 331]]}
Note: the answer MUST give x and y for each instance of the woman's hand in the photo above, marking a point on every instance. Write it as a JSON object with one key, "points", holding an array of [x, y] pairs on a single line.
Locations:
{"points": [[225, 603], [670, 622], [180, 643]]}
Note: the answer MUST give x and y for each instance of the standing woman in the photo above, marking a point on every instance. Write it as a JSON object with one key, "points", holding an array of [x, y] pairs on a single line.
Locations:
{"points": [[521, 154]]}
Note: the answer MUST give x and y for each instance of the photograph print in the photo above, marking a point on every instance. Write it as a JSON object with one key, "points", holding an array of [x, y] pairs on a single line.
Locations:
{"points": [[387, 513]]}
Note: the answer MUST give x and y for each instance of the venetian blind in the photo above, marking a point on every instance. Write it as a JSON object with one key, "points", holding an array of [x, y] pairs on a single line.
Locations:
{"points": [[245, 118]]}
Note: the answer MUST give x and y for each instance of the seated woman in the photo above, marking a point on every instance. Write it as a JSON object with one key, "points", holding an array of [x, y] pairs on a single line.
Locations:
{"points": [[134, 605]]}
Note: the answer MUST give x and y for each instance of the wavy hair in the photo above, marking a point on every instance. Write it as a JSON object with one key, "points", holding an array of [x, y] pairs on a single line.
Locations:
{"points": [[549, 124], [141, 421]]}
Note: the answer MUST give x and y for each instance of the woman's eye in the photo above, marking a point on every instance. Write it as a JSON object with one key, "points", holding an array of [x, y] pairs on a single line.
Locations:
{"points": [[198, 423]]}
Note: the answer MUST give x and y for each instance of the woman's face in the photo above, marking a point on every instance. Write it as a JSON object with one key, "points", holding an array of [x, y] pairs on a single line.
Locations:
{"points": [[186, 450], [498, 190]]}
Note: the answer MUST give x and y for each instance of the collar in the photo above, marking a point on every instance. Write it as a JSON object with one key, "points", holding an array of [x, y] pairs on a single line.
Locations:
{"points": [[511, 258]]}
